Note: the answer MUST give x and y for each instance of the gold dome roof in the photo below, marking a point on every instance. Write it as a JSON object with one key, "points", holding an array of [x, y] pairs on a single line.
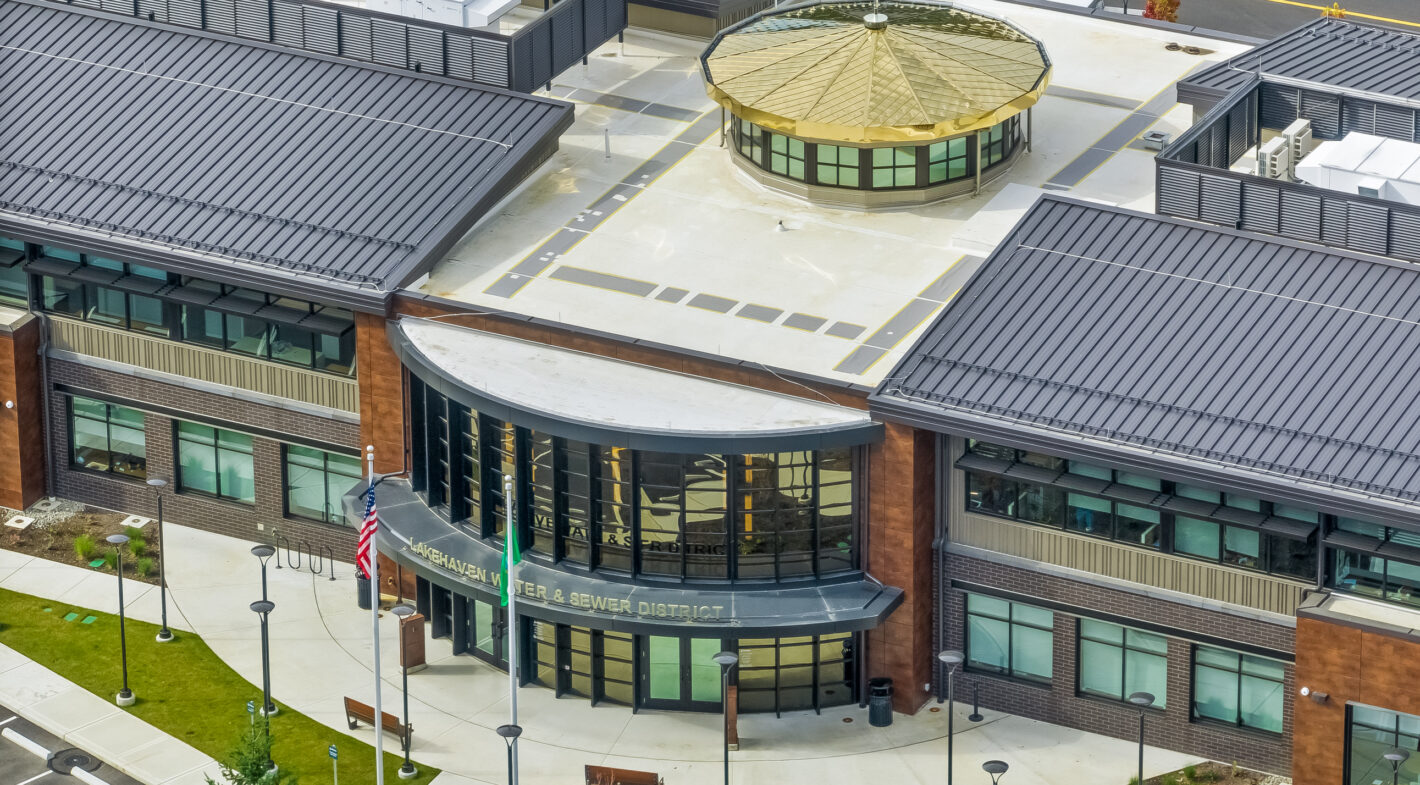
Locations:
{"points": [[825, 71]]}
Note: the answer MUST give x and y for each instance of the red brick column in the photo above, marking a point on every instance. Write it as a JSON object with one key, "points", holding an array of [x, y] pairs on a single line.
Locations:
{"points": [[381, 378], [901, 500], [22, 463]]}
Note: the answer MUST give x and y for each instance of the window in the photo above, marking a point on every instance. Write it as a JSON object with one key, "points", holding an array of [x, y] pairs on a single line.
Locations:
{"points": [[894, 167], [947, 160], [838, 165], [751, 141], [998, 141], [215, 463], [1373, 576], [1009, 638], [786, 156], [14, 281], [315, 482], [790, 674], [683, 511], [1237, 688], [107, 438], [1116, 662], [1372, 732]]}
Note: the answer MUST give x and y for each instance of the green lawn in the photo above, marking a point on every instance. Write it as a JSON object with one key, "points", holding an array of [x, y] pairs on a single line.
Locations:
{"points": [[182, 688]]}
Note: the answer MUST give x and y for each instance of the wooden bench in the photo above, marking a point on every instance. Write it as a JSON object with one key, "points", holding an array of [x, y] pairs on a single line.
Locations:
{"points": [[357, 712], [606, 775]]}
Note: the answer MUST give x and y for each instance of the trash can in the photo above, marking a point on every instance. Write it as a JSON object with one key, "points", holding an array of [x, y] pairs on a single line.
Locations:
{"points": [[880, 702], [362, 591]]}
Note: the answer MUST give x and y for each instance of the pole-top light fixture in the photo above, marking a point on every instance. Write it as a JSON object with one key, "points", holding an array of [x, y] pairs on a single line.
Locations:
{"points": [[995, 768], [952, 657], [725, 659], [1142, 699], [1396, 755], [263, 551], [263, 606], [402, 610], [117, 539], [157, 483], [510, 731]]}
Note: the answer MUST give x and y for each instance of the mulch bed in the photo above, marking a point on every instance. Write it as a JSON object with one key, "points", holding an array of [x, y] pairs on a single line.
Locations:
{"points": [[1217, 774], [58, 523]]}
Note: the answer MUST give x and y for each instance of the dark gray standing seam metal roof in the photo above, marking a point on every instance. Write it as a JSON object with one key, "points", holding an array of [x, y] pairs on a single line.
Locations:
{"points": [[1285, 364], [1331, 51], [343, 179]]}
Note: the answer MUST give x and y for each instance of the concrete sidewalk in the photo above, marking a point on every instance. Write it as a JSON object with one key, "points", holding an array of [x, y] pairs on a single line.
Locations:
{"points": [[321, 653], [86, 720]]}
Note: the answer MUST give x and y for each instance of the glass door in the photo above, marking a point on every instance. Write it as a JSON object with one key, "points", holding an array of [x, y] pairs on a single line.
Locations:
{"points": [[680, 673], [489, 642]]}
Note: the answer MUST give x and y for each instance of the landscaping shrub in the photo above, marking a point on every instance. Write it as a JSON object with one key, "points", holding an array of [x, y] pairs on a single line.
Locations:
{"points": [[247, 763], [137, 547], [144, 566], [111, 559], [84, 546], [133, 532]]}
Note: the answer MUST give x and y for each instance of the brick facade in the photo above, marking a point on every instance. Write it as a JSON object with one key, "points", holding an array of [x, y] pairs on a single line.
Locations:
{"points": [[22, 462], [1376, 668], [256, 522], [1060, 703], [901, 508]]}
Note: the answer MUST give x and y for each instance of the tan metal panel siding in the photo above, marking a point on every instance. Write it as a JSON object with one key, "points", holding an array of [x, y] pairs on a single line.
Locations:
{"points": [[204, 365]]}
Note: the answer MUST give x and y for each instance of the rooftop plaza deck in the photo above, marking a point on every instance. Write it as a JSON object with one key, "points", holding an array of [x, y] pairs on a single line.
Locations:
{"points": [[665, 240]]}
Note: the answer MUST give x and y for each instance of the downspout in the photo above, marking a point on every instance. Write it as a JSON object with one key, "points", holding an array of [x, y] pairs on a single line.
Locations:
{"points": [[939, 551], [45, 402]]}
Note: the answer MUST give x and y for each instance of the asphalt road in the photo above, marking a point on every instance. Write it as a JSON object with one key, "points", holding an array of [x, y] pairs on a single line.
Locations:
{"points": [[1265, 19], [21, 766]]}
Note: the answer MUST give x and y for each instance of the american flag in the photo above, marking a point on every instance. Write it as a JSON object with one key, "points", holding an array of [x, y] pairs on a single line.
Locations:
{"points": [[367, 533]]}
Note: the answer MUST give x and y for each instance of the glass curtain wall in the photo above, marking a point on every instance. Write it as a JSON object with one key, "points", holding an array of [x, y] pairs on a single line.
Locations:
{"points": [[753, 517], [874, 168]]}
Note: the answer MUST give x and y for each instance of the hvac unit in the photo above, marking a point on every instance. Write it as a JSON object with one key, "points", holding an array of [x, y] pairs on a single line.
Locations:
{"points": [[1274, 159], [1299, 137]]}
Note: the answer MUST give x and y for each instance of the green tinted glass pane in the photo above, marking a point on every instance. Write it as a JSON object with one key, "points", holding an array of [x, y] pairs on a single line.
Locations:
{"points": [[704, 671], [1242, 502], [237, 475], [986, 642], [1147, 641], [1138, 513], [1101, 669], [664, 666], [882, 178], [1215, 694], [60, 253], [1146, 673], [196, 433], [937, 151], [10, 242], [1296, 513], [905, 177], [1140, 481], [1032, 652], [230, 440], [882, 156], [147, 272], [197, 463], [1195, 537], [937, 173], [1241, 546], [827, 175], [848, 176], [827, 154], [1091, 470], [777, 143], [1361, 527], [796, 148], [904, 156], [345, 465], [483, 618], [988, 606], [1201, 494], [778, 163], [1036, 617], [1218, 658], [89, 407], [126, 416], [1262, 667], [1260, 704], [1102, 631], [958, 147], [796, 168]]}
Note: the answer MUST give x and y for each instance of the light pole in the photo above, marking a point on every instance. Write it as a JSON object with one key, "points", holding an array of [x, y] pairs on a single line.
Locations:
{"points": [[995, 768], [951, 658], [726, 660], [125, 695], [1396, 756], [402, 611], [1143, 700], [262, 553], [263, 608], [164, 635], [510, 734]]}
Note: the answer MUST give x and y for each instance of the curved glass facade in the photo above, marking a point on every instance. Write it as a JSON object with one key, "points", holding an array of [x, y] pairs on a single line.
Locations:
{"points": [[686, 517], [875, 168]]}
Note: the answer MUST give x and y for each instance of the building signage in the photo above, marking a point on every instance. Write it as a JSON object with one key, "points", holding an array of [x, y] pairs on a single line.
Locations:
{"points": [[608, 601]]}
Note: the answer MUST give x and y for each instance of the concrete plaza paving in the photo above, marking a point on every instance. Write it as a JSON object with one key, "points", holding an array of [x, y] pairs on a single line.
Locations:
{"points": [[322, 653]]}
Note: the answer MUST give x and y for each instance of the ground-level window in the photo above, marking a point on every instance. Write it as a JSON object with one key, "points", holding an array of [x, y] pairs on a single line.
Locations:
{"points": [[1236, 688], [315, 481], [1372, 732], [790, 674], [107, 438], [216, 463], [1009, 638], [1116, 662]]}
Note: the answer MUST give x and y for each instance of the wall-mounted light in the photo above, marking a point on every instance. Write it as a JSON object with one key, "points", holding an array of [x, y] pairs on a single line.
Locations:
{"points": [[1319, 697], [9, 404]]}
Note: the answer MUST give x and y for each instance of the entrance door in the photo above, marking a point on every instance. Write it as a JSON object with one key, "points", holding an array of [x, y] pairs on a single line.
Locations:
{"points": [[488, 641], [680, 673]]}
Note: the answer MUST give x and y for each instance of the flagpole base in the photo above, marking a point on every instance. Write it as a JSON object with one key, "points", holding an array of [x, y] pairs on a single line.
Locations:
{"points": [[408, 773]]}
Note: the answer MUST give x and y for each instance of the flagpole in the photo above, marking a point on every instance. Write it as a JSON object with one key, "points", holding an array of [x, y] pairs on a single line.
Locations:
{"points": [[375, 625], [510, 536]]}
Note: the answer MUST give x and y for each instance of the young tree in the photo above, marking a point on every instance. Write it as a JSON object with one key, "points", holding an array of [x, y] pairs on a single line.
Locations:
{"points": [[247, 763], [1165, 10]]}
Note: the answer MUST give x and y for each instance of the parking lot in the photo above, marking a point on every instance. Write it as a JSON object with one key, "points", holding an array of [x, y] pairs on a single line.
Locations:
{"points": [[30, 756]]}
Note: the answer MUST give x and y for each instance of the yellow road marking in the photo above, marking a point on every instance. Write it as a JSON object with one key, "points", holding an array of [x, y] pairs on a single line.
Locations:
{"points": [[1339, 12]]}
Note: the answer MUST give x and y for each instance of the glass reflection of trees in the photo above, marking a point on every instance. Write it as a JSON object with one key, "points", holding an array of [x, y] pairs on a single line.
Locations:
{"points": [[756, 517]]}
